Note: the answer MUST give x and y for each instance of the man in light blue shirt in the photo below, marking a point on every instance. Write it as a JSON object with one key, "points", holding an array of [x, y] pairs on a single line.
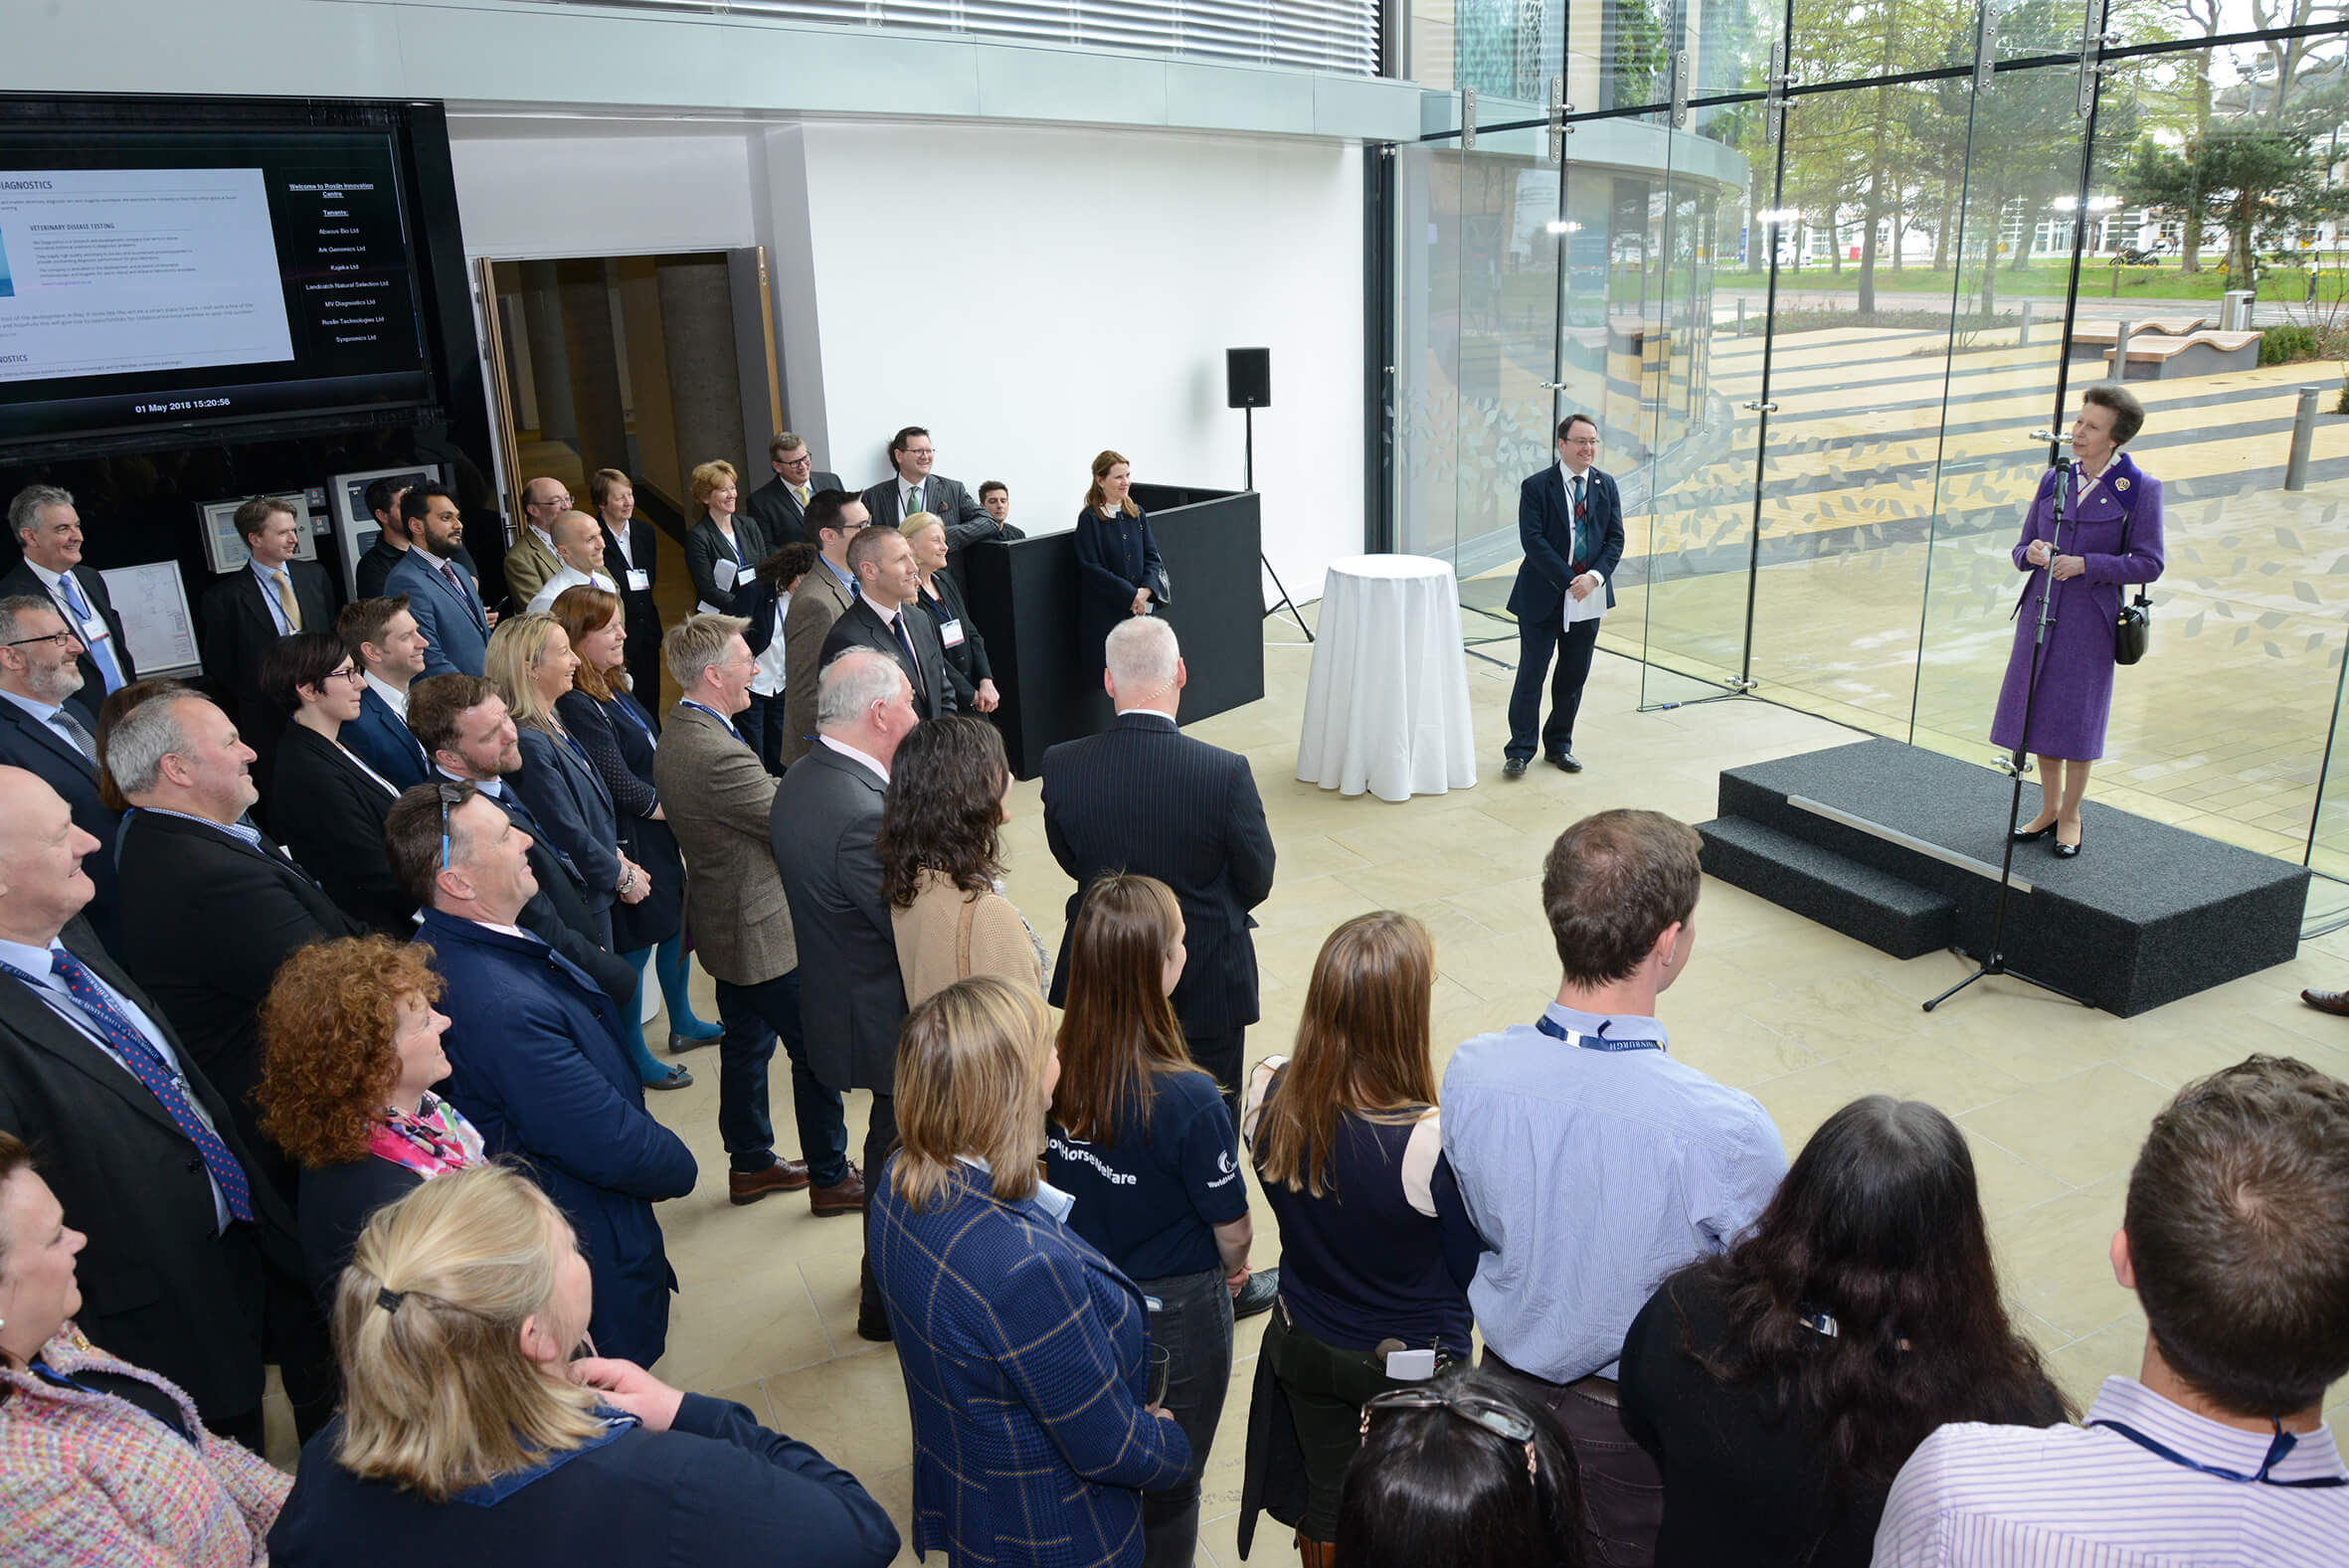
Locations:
{"points": [[1594, 1164]]}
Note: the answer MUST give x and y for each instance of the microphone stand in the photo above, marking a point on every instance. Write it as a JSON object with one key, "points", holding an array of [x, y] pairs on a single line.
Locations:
{"points": [[2019, 763]]}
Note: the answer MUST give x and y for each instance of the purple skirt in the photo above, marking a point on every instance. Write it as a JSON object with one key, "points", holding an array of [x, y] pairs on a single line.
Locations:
{"points": [[2075, 672]]}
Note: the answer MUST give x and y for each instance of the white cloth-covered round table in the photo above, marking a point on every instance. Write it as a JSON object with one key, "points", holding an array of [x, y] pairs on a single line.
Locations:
{"points": [[1386, 706]]}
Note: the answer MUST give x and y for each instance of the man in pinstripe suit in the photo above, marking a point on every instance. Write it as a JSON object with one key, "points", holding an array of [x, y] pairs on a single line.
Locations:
{"points": [[1142, 797]]}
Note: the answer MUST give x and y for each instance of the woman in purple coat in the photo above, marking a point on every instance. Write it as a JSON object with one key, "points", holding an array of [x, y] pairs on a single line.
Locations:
{"points": [[2110, 535]]}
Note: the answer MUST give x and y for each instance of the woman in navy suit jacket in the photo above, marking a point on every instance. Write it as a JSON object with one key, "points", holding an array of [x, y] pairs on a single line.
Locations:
{"points": [[531, 663], [469, 1437], [1119, 573], [1021, 1347]]}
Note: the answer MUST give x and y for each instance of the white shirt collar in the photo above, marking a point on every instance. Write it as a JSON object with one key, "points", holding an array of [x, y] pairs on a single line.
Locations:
{"points": [[393, 698], [1567, 474], [1151, 713], [47, 576], [42, 712], [845, 749], [1048, 1197], [30, 960]]}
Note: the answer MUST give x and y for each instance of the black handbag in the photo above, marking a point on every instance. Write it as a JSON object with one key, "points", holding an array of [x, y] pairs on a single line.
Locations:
{"points": [[2133, 632]]}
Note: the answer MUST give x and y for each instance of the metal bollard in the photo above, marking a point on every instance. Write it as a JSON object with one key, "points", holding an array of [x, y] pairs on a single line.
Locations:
{"points": [[2120, 353], [2295, 467], [2023, 338], [1740, 315]]}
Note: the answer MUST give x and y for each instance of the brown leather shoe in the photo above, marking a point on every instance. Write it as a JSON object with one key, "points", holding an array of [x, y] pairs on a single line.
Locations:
{"points": [[845, 1198], [749, 1186], [2334, 1002]]}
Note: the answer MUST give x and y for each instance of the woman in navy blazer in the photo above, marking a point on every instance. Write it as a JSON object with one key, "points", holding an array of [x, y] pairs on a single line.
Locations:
{"points": [[468, 1436], [1021, 1347], [531, 663], [1119, 573]]}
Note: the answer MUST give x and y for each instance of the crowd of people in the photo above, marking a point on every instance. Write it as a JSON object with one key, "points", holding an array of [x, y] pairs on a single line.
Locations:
{"points": [[346, 1075]]}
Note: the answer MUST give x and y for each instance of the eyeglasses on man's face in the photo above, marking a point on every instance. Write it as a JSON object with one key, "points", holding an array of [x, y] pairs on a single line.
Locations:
{"points": [[59, 638], [450, 794]]}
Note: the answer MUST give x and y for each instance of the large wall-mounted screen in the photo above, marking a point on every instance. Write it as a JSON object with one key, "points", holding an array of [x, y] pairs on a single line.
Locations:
{"points": [[167, 281]]}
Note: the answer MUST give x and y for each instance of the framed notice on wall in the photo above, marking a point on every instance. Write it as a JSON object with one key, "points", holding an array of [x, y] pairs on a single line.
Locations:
{"points": [[157, 632]]}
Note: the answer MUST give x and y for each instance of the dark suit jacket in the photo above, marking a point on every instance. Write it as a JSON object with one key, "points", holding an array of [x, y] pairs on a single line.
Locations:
{"points": [[336, 1203], [388, 745], [966, 520], [1545, 531], [537, 1064], [862, 627], [238, 629], [1115, 556], [331, 815], [38, 748], [705, 547], [966, 663], [21, 580], [206, 921], [1143, 796], [457, 638], [826, 816], [575, 810], [638, 611], [159, 1286], [781, 517]]}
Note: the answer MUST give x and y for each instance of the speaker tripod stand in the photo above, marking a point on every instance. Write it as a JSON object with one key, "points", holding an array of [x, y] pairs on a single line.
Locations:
{"points": [[1284, 601]]}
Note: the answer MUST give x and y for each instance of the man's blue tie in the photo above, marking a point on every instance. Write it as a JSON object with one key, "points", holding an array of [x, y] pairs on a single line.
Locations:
{"points": [[148, 1067], [102, 650]]}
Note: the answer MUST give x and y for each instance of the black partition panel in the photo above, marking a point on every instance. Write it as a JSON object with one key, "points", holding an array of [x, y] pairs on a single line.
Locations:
{"points": [[1023, 596]]}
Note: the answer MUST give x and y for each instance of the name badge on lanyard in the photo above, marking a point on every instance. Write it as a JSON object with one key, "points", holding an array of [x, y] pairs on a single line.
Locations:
{"points": [[640, 579], [1591, 1042], [950, 633]]}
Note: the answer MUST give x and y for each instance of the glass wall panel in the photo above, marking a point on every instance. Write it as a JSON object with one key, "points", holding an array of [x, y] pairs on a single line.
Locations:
{"points": [[1904, 268], [2223, 727]]}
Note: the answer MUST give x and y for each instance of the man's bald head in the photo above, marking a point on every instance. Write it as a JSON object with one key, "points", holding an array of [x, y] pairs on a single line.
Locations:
{"points": [[579, 541], [42, 883]]}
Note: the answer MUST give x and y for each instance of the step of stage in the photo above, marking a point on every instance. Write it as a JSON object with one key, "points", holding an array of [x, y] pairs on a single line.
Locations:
{"points": [[2146, 914], [1866, 905]]}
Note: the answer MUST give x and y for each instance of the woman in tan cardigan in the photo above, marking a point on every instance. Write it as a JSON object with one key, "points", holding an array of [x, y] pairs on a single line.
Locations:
{"points": [[942, 861]]}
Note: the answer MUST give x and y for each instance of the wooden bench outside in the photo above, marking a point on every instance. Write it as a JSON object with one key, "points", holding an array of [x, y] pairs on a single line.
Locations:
{"points": [[2196, 354]]}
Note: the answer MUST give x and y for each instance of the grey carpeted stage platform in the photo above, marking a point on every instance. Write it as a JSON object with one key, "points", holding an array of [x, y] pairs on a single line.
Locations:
{"points": [[1900, 847]]}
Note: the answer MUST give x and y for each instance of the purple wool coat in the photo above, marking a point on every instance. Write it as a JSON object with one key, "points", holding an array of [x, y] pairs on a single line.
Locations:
{"points": [[2076, 667]]}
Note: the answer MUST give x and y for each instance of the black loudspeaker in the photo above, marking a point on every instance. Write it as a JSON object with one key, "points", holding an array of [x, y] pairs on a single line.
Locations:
{"points": [[1247, 378]]}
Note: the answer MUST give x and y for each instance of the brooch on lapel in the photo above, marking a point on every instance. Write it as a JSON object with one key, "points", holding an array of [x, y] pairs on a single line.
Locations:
{"points": [[2121, 484]]}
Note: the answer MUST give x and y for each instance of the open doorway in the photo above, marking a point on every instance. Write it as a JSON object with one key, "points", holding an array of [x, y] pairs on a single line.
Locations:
{"points": [[649, 364]]}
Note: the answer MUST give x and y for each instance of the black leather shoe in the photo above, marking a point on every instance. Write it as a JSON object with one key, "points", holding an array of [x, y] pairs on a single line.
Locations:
{"points": [[872, 1322], [1564, 761], [1512, 768], [2034, 835], [676, 1078], [2066, 851], [1258, 1294], [679, 1044]]}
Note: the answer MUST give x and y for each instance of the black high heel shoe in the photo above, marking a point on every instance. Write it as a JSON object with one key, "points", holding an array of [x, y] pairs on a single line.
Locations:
{"points": [[2066, 851], [2033, 835]]}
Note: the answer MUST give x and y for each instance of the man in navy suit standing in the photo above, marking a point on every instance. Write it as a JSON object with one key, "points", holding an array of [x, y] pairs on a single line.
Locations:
{"points": [[1569, 519], [442, 595], [1143, 796], [383, 636]]}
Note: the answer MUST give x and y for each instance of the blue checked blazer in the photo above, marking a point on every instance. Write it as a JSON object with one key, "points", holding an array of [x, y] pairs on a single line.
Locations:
{"points": [[1022, 1353]]}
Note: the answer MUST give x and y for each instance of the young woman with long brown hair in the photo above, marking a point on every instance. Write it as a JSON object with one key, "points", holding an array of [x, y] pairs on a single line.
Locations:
{"points": [[1782, 1384], [1376, 1249], [1141, 1140]]}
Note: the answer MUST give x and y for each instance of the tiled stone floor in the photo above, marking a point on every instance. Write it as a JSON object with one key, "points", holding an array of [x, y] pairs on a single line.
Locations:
{"points": [[2054, 1100]]}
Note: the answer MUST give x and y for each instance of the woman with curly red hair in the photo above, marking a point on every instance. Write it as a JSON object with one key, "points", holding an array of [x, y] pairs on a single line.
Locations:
{"points": [[351, 1047]]}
